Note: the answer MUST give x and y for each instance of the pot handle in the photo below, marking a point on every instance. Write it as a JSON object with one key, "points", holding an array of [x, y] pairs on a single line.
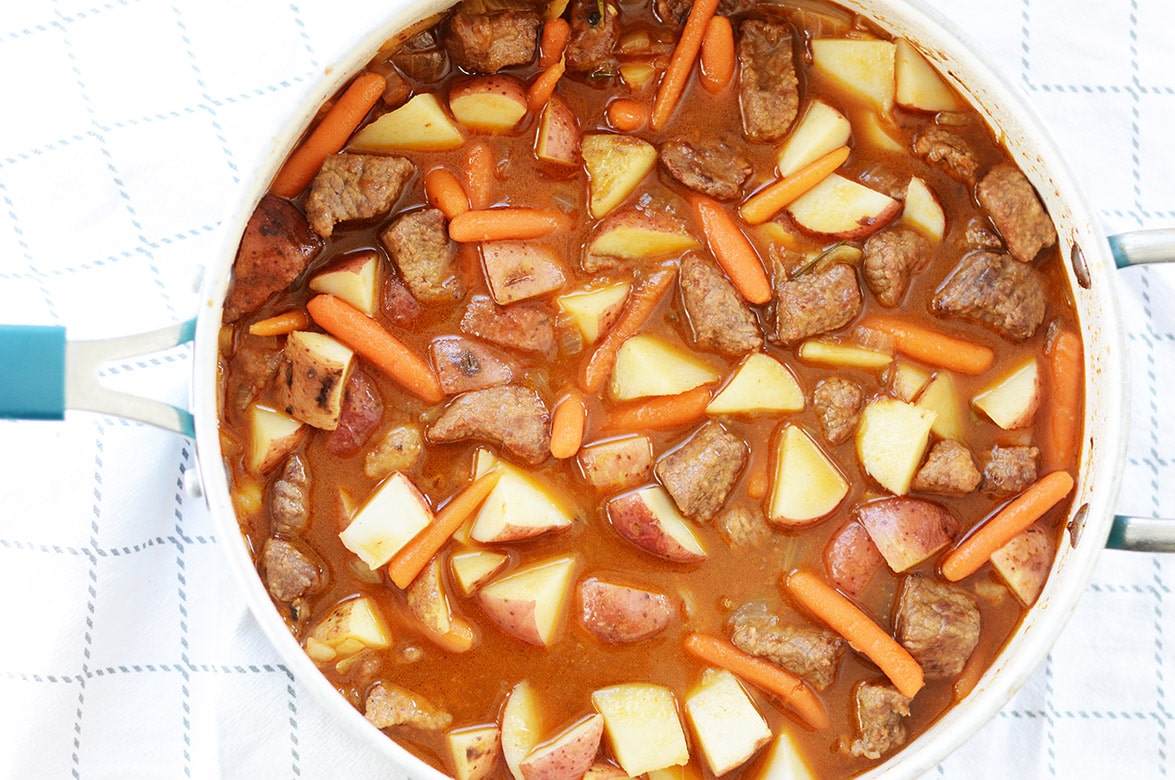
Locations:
{"points": [[1143, 534], [45, 374]]}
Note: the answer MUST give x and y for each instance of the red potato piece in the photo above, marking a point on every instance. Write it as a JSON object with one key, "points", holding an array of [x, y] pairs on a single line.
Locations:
{"points": [[489, 104], [649, 520], [842, 208], [907, 531], [558, 137], [277, 245], [617, 463], [852, 558], [362, 411], [619, 613], [1024, 563], [464, 364], [397, 303], [517, 270], [568, 755]]}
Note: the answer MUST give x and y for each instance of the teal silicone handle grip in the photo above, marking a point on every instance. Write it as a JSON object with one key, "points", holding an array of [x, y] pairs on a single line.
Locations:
{"points": [[32, 372]]}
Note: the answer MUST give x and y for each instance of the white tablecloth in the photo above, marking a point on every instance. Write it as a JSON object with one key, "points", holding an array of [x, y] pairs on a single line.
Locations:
{"points": [[127, 128]]}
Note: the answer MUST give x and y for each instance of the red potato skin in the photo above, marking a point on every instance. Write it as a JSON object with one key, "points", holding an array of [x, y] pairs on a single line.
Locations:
{"points": [[617, 464], [506, 86], [619, 613], [635, 521], [852, 558], [907, 531], [558, 137], [568, 755], [867, 225], [1024, 563], [514, 616]]}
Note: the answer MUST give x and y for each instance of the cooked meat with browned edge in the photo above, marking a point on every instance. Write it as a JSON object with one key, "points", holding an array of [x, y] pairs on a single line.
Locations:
{"points": [[949, 152], [464, 364], [390, 705], [1010, 469], [995, 290], [807, 651], [768, 91], [288, 498], [419, 245], [289, 572], [838, 403], [397, 302], [277, 246], [512, 416], [421, 58], [880, 709], [518, 326], [594, 29], [1007, 196], [816, 302], [710, 166], [938, 623], [742, 526], [979, 235], [949, 470], [700, 474], [355, 186], [487, 42], [719, 318], [619, 613], [362, 411], [257, 359], [891, 258]]}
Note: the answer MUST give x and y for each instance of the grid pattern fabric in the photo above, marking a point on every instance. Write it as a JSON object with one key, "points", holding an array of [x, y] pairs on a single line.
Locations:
{"points": [[127, 652]]}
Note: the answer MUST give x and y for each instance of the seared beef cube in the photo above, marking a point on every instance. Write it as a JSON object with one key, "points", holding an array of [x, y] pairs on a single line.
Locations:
{"points": [[838, 403], [421, 58], [397, 302], [594, 29], [1010, 470], [355, 186], [276, 247], [289, 572], [362, 411], [768, 91], [806, 651], [997, 291], [719, 318], [891, 258], [390, 705], [743, 526], [420, 247], [938, 623], [700, 474], [979, 235], [519, 325], [512, 416], [712, 167], [880, 709], [816, 302], [288, 497], [487, 42], [463, 364], [950, 152], [1009, 199], [949, 470], [398, 450]]}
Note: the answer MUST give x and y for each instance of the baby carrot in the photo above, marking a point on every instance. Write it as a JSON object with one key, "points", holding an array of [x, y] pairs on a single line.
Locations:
{"points": [[544, 86], [444, 191], [732, 250], [627, 115], [660, 412], [567, 424], [503, 224], [556, 33], [479, 169], [681, 62], [717, 62], [998, 530], [281, 324], [768, 201], [329, 136], [933, 347], [758, 477], [1064, 409]]}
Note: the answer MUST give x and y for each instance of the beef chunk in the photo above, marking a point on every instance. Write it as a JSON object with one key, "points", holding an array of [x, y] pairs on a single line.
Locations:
{"points": [[257, 359], [487, 42], [709, 166], [277, 246], [419, 245], [743, 526], [938, 623], [355, 186], [1009, 199], [816, 302], [768, 91], [463, 364], [287, 498], [518, 326], [948, 470], [995, 290], [1010, 470], [719, 318], [892, 257], [398, 450], [950, 152], [979, 235], [512, 416], [289, 572], [618, 613], [594, 29], [421, 59], [809, 652], [700, 474], [390, 705], [838, 403], [362, 411], [880, 709]]}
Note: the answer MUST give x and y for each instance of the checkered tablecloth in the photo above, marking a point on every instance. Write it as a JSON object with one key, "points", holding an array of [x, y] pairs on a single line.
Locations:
{"points": [[125, 128]]}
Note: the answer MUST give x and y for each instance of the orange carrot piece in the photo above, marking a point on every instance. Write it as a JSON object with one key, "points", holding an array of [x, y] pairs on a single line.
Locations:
{"points": [[411, 559], [444, 191], [660, 412], [369, 339], [544, 86], [480, 168], [973, 670], [769, 200], [998, 530], [732, 250], [681, 62], [556, 33], [458, 639], [503, 224], [864, 635], [757, 477], [717, 62], [329, 136], [567, 425], [1064, 410], [788, 688], [933, 347], [627, 115], [641, 302], [281, 324]]}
